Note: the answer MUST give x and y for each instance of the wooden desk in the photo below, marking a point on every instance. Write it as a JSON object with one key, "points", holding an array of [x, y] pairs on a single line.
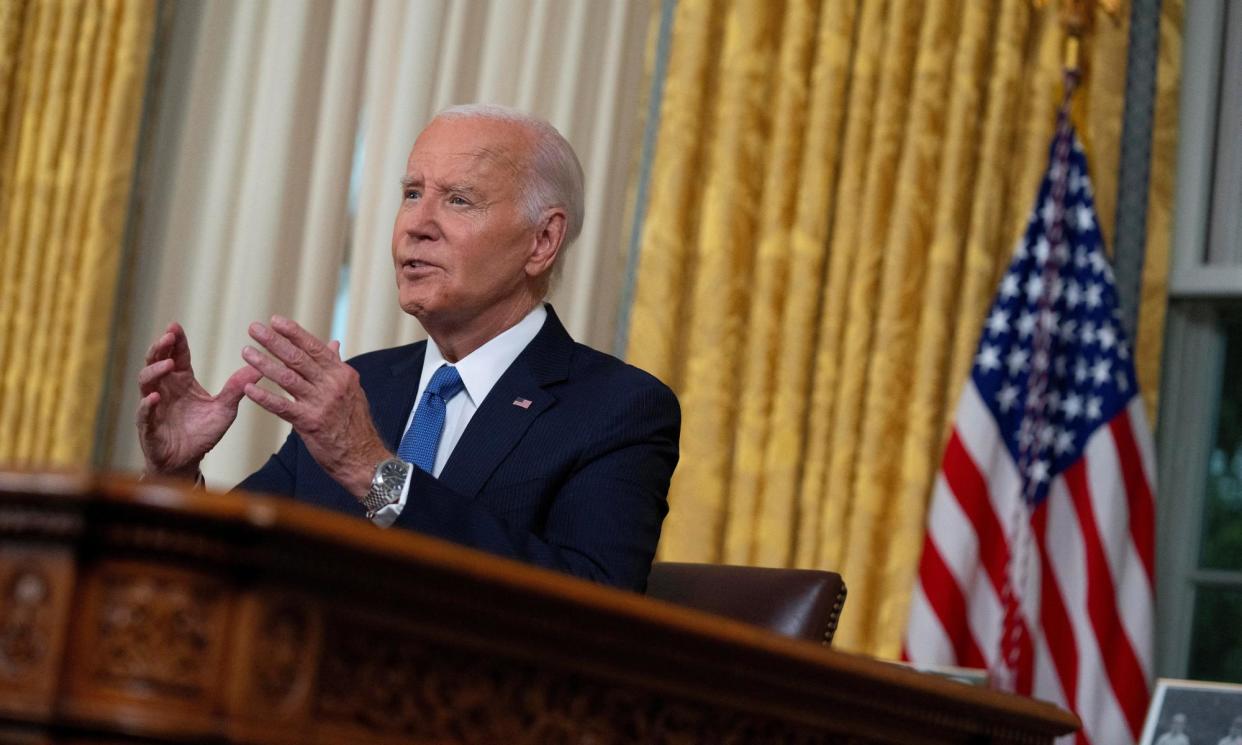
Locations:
{"points": [[143, 612]]}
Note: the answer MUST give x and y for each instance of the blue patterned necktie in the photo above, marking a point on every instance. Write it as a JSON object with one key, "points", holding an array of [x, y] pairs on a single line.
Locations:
{"points": [[422, 439]]}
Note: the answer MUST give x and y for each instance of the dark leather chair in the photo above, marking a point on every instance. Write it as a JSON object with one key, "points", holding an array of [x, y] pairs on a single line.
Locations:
{"points": [[801, 603]]}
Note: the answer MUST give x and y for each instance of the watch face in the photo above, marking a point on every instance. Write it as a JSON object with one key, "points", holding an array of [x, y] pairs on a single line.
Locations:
{"points": [[393, 471]]}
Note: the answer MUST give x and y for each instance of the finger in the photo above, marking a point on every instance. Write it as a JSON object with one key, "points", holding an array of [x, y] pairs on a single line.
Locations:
{"points": [[235, 387], [278, 405], [275, 371], [335, 346], [150, 375], [146, 407], [283, 349], [301, 338], [181, 346], [161, 348]]}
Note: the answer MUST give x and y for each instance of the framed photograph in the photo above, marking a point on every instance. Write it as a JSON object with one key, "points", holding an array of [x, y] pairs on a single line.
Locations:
{"points": [[1191, 712]]}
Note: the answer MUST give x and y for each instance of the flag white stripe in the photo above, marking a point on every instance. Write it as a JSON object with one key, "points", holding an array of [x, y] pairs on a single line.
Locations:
{"points": [[1108, 500], [1097, 706], [926, 640], [952, 532]]}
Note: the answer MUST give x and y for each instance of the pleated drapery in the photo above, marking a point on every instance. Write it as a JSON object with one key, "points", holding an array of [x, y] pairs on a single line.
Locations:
{"points": [[837, 186], [72, 77], [282, 132]]}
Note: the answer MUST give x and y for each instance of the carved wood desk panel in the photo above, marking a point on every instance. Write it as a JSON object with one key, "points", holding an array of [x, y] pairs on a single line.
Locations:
{"points": [[144, 612]]}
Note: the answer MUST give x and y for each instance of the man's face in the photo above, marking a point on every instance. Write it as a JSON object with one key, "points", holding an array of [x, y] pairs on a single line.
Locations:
{"points": [[461, 246]]}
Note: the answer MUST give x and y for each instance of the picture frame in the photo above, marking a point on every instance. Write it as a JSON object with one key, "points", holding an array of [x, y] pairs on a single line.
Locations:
{"points": [[1193, 712]]}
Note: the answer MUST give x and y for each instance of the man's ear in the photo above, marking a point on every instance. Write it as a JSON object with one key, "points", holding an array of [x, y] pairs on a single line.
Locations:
{"points": [[549, 238]]}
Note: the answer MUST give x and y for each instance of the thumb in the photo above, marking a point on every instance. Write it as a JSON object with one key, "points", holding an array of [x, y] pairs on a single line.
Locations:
{"points": [[235, 387], [335, 346]]}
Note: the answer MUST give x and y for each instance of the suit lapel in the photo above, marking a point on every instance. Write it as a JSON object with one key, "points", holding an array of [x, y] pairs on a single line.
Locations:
{"points": [[504, 416], [393, 396]]}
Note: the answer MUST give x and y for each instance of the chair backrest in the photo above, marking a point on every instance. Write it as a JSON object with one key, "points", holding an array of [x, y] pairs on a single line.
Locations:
{"points": [[801, 603]]}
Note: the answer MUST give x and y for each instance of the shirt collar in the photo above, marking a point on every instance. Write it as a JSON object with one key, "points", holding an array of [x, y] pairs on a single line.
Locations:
{"points": [[480, 369]]}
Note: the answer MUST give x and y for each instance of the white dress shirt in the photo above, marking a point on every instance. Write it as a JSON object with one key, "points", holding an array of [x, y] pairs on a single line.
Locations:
{"points": [[479, 371]]}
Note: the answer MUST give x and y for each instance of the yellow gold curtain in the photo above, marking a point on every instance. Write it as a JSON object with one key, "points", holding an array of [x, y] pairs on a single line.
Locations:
{"points": [[836, 188], [72, 74]]}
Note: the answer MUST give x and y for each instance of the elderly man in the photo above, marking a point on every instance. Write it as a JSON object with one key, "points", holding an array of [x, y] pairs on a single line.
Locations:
{"points": [[502, 433]]}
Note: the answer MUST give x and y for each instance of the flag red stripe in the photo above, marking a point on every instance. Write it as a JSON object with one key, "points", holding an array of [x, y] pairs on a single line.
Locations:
{"points": [[971, 490], [1120, 662], [1053, 618], [1138, 493], [946, 600]]}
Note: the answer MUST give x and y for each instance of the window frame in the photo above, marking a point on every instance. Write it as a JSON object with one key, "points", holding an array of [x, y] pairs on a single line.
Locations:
{"points": [[1202, 290]]}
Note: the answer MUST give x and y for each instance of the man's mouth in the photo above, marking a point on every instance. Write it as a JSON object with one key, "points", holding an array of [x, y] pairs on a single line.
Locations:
{"points": [[417, 264]]}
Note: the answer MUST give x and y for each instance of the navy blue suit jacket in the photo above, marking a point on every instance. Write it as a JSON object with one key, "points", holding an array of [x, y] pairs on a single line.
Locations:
{"points": [[576, 482]]}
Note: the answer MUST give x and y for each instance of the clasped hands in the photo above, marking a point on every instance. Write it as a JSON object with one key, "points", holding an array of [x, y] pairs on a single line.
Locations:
{"points": [[179, 421]]}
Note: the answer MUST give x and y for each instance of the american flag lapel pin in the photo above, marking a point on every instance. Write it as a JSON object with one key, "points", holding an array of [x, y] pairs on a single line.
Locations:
{"points": [[522, 403]]}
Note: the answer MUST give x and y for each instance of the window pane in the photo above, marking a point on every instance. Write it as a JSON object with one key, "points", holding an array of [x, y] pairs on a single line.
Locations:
{"points": [[1215, 644], [1221, 547]]}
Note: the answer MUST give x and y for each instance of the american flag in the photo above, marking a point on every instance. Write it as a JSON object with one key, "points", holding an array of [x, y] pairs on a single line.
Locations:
{"points": [[1038, 561]]}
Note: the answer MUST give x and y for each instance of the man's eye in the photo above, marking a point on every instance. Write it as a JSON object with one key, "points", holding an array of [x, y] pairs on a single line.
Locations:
{"points": [[458, 200], [412, 194]]}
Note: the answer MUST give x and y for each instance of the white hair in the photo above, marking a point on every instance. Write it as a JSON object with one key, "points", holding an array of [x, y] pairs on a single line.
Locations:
{"points": [[555, 175]]}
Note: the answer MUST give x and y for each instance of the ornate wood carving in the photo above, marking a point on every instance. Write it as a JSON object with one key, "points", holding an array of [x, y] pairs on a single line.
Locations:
{"points": [[156, 632], [25, 620], [384, 682], [284, 651]]}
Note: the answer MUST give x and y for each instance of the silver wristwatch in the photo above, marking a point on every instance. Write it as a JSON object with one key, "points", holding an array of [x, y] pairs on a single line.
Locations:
{"points": [[386, 485]]}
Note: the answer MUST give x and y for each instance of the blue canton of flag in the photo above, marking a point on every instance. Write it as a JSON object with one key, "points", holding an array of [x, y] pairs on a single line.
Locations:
{"points": [[1053, 363]]}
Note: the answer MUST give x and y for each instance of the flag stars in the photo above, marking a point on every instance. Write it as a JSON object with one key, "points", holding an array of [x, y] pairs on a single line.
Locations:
{"points": [[1047, 435], [1034, 287], [1073, 294], [1010, 287], [998, 322], [1064, 443], [1043, 250], [1016, 361], [1007, 397], [988, 358], [1106, 336], [1040, 361], [1084, 218], [1075, 182], [1038, 472], [1080, 371], [1094, 295], [1123, 383], [1097, 261], [1068, 330], [1100, 371], [1048, 213], [1087, 334], [1095, 407], [1072, 408], [1026, 324], [1062, 253]]}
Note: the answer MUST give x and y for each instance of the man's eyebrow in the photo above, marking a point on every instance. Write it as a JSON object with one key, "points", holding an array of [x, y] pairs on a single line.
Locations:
{"points": [[457, 186], [408, 181]]}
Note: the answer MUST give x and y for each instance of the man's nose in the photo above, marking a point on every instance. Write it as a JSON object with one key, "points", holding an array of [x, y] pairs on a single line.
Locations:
{"points": [[422, 220]]}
